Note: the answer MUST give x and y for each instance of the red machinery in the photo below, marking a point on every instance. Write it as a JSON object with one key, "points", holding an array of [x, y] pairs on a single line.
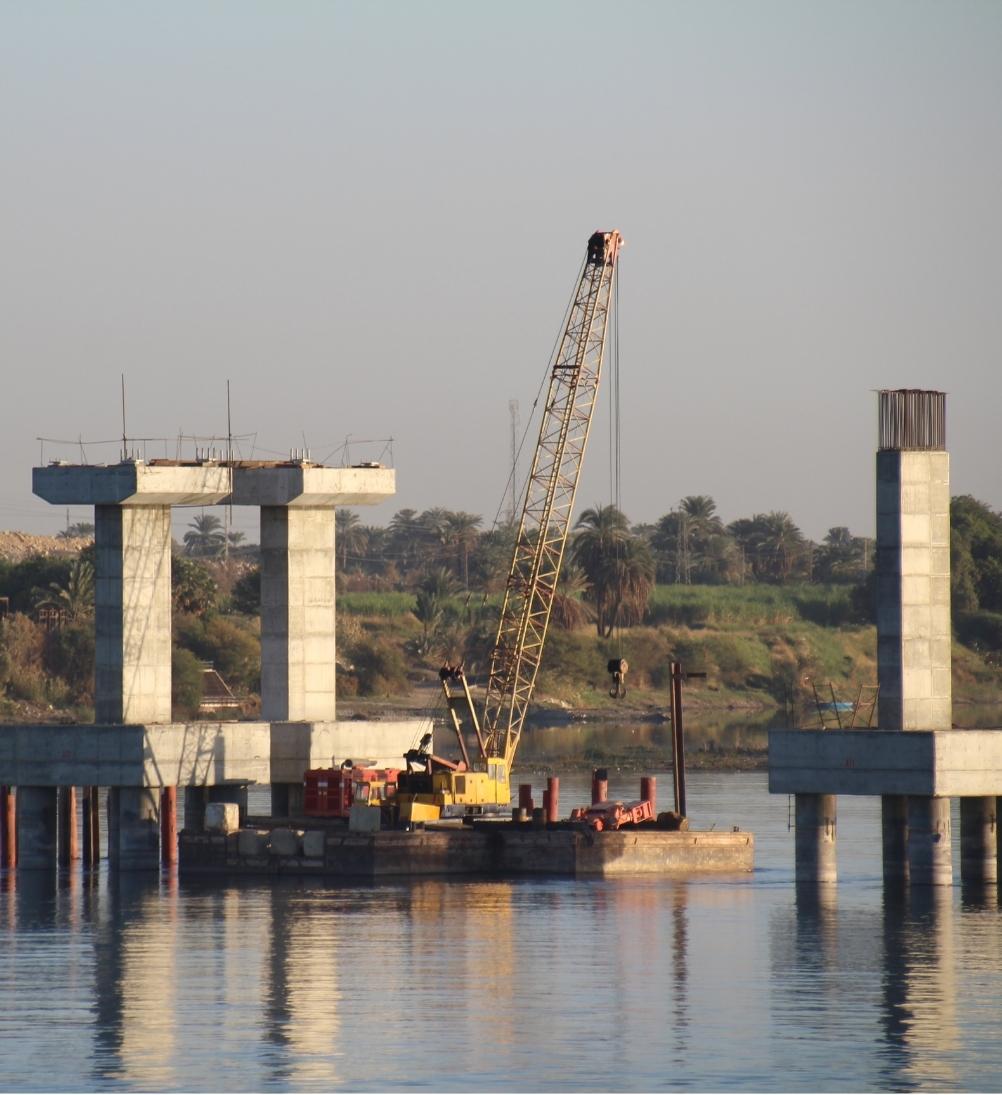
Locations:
{"points": [[602, 816], [330, 792]]}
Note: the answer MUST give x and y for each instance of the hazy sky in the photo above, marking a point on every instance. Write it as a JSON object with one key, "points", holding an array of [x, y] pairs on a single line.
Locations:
{"points": [[369, 216]]}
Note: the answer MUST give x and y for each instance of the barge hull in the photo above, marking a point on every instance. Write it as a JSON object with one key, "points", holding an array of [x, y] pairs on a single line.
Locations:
{"points": [[441, 852]]}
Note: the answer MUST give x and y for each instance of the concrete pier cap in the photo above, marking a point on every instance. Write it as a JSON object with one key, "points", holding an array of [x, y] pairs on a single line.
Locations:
{"points": [[132, 483], [304, 485]]}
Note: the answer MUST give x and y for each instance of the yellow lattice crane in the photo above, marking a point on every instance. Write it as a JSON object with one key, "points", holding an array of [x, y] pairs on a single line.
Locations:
{"points": [[444, 788]]}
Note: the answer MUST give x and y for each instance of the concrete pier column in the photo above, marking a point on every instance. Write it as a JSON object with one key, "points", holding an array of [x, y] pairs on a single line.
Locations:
{"points": [[297, 613], [930, 857], [815, 839], [91, 817], [894, 833], [69, 847], [134, 835], [36, 828], [978, 843], [913, 563], [132, 600]]}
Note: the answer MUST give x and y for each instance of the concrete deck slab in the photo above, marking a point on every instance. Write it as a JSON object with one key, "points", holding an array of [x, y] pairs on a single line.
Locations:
{"points": [[941, 763], [168, 755], [132, 483]]}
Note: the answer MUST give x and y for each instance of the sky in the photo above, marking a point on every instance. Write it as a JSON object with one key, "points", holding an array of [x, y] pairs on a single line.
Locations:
{"points": [[368, 218]]}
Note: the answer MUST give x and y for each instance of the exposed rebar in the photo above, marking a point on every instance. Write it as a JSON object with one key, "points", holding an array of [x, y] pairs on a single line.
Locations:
{"points": [[912, 419]]}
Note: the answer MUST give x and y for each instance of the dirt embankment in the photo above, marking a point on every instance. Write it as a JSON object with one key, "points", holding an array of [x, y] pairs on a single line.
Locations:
{"points": [[15, 547]]}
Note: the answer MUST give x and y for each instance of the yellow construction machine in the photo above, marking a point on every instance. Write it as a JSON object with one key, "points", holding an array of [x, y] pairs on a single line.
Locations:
{"points": [[434, 787]]}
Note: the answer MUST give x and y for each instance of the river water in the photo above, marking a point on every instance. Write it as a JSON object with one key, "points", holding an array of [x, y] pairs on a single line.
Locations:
{"points": [[727, 983]]}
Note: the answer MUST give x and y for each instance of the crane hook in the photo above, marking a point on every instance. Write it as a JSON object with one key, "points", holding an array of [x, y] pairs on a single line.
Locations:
{"points": [[617, 668]]}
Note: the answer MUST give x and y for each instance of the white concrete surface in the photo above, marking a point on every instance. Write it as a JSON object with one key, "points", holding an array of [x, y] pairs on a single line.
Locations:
{"points": [[132, 483], [913, 590], [942, 763], [298, 645], [132, 604]]}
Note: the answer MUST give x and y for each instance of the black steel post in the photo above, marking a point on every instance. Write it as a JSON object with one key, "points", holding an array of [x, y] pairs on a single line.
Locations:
{"points": [[677, 744]]}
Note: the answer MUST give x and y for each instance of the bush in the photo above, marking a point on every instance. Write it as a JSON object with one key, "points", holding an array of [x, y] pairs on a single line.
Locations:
{"points": [[187, 681], [232, 648], [69, 653], [246, 595], [193, 588], [379, 668], [981, 630]]}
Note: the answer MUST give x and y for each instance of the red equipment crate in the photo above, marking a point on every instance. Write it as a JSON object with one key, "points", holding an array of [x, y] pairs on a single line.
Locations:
{"points": [[327, 792]]}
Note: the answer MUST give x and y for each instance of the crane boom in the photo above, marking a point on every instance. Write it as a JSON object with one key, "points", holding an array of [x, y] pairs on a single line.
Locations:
{"points": [[549, 501], [446, 788]]}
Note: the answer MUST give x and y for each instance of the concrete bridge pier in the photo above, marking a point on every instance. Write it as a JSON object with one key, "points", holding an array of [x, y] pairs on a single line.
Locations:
{"points": [[69, 844], [894, 832], [930, 856], [36, 828], [134, 828], [978, 843], [815, 838]]}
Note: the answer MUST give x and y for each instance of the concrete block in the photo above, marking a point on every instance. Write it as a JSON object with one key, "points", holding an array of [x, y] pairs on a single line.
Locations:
{"points": [[314, 842], [364, 819], [222, 817], [285, 842], [251, 842]]}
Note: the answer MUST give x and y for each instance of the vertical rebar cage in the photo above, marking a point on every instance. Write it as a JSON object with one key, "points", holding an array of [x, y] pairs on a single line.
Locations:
{"points": [[912, 419]]}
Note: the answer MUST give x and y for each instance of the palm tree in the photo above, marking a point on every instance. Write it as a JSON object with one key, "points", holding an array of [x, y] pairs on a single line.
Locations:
{"points": [[349, 535], [784, 542], [600, 550], [460, 533], [403, 531], [75, 599], [569, 610], [429, 606], [433, 524], [206, 538]]}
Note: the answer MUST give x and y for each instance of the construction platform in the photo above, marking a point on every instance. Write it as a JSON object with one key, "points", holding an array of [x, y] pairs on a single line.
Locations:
{"points": [[488, 848]]}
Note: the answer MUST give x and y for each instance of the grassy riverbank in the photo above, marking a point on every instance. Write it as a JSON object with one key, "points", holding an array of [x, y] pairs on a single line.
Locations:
{"points": [[760, 646]]}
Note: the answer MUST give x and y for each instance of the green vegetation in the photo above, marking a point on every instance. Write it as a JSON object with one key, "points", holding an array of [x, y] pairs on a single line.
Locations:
{"points": [[754, 604]]}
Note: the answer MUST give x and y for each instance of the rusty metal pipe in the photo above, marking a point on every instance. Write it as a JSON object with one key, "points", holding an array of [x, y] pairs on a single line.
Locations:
{"points": [[599, 786], [168, 826], [552, 800], [8, 811], [649, 792]]}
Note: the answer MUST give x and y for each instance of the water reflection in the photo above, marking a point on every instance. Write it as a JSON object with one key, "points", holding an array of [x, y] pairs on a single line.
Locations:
{"points": [[920, 987], [526, 984]]}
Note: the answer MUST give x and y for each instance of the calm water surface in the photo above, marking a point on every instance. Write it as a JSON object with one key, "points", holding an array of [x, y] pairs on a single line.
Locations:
{"points": [[726, 983]]}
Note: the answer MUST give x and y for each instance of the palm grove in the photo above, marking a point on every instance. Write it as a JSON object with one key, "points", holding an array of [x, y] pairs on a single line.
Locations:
{"points": [[751, 600]]}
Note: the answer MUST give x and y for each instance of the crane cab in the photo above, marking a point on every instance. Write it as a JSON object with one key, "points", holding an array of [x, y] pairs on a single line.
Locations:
{"points": [[458, 794]]}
